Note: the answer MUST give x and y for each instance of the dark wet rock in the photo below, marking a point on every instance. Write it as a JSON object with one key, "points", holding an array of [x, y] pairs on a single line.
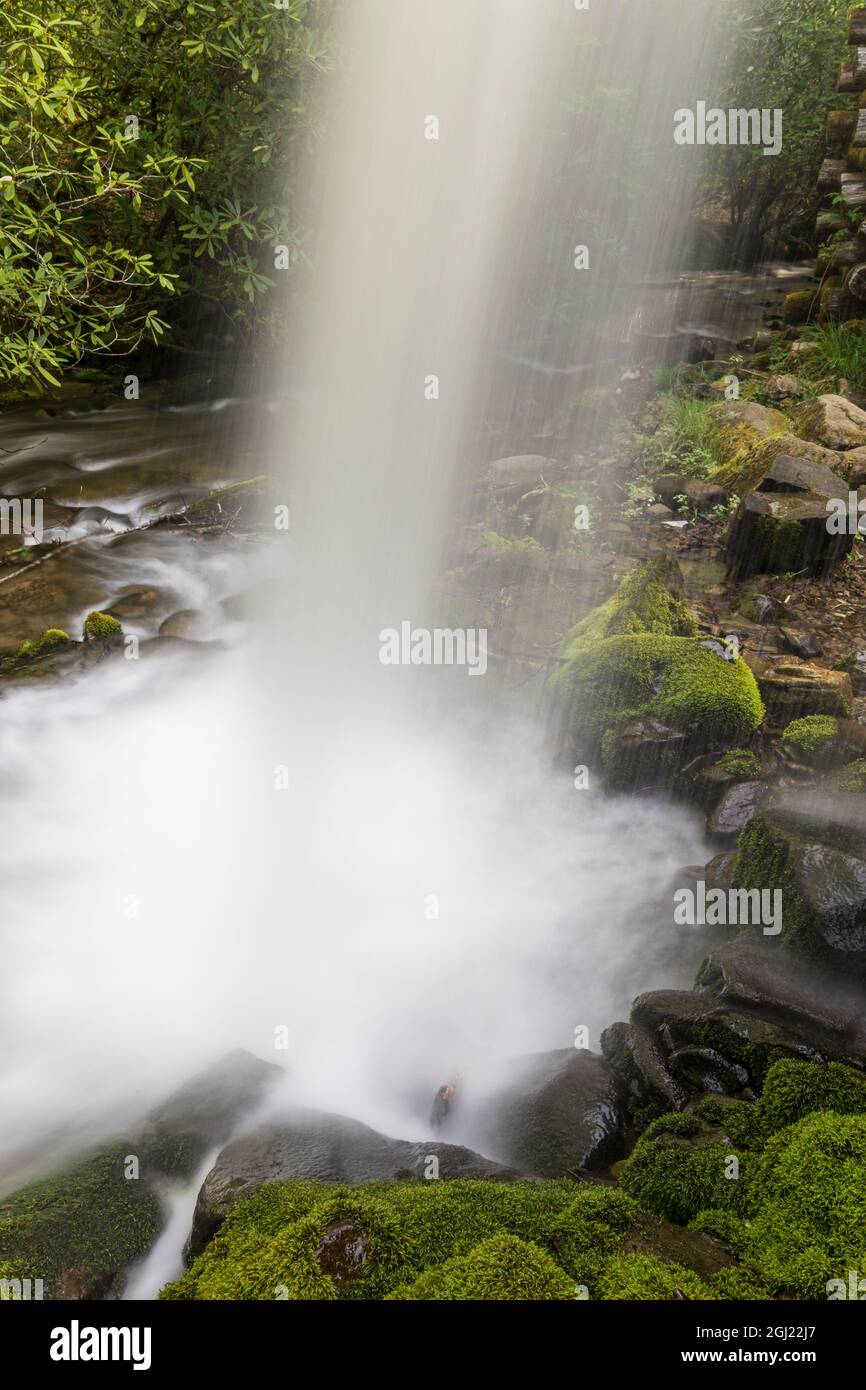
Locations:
{"points": [[703, 495], [719, 872], [669, 486], [343, 1252], [239, 505], [765, 610], [320, 1147], [205, 1110], [548, 1113], [812, 846], [791, 689], [737, 806], [640, 1064], [679, 1019], [761, 977], [704, 1069], [134, 604], [646, 748], [781, 527], [801, 642]]}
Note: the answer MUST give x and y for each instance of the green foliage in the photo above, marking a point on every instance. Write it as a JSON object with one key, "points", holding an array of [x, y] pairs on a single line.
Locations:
{"points": [[647, 1278], [810, 1223], [777, 54], [677, 1171], [740, 762], [139, 143], [795, 1089], [512, 545], [840, 351], [91, 1219], [811, 736], [680, 443], [503, 1268], [101, 627]]}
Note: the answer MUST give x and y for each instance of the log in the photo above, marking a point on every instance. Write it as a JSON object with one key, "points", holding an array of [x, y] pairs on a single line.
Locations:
{"points": [[857, 26], [846, 79], [859, 138], [859, 69], [848, 253], [827, 224], [853, 189], [840, 127], [857, 281], [830, 174]]}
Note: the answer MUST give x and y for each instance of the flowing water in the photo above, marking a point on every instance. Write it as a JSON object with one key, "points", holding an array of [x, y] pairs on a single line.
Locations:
{"points": [[209, 847]]}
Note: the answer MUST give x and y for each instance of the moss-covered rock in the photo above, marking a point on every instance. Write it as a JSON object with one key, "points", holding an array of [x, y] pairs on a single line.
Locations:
{"points": [[813, 739], [823, 888], [79, 1231], [101, 627], [809, 1222], [503, 1268], [639, 1278], [681, 1166]]}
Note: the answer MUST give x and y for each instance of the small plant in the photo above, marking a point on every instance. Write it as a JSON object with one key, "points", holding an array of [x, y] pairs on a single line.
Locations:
{"points": [[681, 441]]}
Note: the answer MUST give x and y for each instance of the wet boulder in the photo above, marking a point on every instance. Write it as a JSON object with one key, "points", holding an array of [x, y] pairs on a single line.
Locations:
{"points": [[744, 1038], [639, 1062], [547, 1114], [791, 689], [321, 1147], [760, 977], [737, 806], [812, 847], [781, 526], [641, 693]]}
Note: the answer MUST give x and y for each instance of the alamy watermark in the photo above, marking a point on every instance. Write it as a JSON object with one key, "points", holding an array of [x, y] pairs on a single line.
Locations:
{"points": [[438, 646], [21, 516], [736, 907], [713, 126]]}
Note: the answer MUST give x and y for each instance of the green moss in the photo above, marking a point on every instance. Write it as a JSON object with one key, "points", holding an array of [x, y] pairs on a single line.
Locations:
{"points": [[740, 763], [851, 778], [795, 1089], [503, 1268], [812, 736], [101, 627], [676, 681], [762, 862], [810, 1221], [49, 641], [739, 1284], [724, 1225], [91, 1219], [591, 1229], [642, 603], [409, 1226], [642, 1278], [677, 1171]]}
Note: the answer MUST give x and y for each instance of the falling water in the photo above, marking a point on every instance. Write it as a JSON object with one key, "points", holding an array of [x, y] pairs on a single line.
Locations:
{"points": [[381, 860]]}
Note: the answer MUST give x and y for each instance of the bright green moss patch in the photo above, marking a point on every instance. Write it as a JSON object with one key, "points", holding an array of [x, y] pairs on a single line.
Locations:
{"points": [[503, 1268], [643, 1277], [810, 1222], [811, 737], [92, 1221], [677, 1172], [740, 763], [642, 603], [794, 1090], [101, 627], [49, 641]]}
